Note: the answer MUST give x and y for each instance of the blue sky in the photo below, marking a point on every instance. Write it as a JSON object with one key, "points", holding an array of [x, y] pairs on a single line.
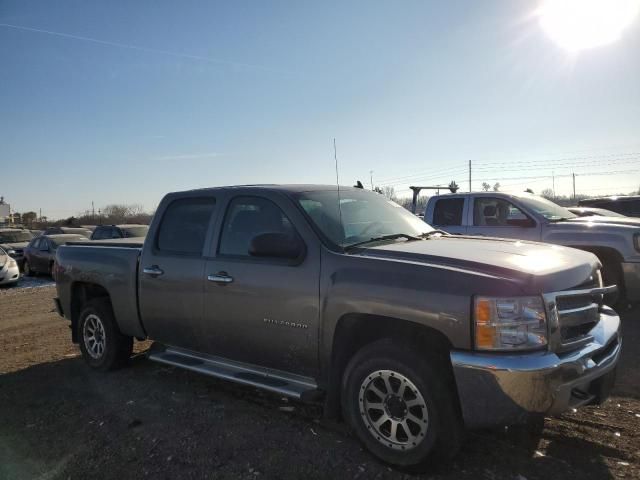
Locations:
{"points": [[124, 101]]}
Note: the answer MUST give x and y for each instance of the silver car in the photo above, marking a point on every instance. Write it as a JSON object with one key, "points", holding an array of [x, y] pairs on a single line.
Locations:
{"points": [[9, 271]]}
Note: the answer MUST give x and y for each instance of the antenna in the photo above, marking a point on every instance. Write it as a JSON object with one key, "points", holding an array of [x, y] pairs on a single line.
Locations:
{"points": [[335, 157]]}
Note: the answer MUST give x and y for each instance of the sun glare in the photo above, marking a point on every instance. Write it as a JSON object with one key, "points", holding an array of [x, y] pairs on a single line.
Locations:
{"points": [[580, 24]]}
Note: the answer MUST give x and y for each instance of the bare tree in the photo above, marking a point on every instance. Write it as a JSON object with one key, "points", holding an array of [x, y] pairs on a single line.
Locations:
{"points": [[390, 193], [485, 186], [29, 217], [547, 193], [496, 187]]}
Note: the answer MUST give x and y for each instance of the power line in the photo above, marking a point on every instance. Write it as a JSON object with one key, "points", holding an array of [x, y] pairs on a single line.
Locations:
{"points": [[430, 171], [563, 159]]}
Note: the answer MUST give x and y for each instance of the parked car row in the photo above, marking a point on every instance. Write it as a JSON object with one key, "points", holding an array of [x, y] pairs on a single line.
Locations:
{"points": [[34, 251]]}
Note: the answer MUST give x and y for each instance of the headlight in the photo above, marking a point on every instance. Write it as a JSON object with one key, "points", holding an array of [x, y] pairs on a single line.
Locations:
{"points": [[11, 252], [513, 323], [12, 263]]}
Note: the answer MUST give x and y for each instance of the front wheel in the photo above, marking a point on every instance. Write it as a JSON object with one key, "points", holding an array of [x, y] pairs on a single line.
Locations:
{"points": [[401, 405], [102, 344], [26, 269]]}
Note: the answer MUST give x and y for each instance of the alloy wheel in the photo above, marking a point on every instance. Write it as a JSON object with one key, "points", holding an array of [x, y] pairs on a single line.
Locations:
{"points": [[94, 336], [393, 410]]}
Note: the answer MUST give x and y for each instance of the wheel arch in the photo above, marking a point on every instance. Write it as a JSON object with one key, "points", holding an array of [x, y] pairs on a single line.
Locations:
{"points": [[355, 330], [81, 293]]}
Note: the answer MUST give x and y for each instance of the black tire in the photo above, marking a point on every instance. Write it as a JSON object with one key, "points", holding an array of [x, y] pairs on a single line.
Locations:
{"points": [[26, 269], [437, 439], [612, 275], [116, 347]]}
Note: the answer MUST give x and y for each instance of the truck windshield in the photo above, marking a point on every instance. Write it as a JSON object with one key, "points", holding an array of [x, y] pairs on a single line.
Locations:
{"points": [[546, 208], [15, 237], [362, 215]]}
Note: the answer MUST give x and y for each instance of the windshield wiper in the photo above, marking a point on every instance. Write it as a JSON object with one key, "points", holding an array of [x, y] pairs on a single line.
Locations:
{"points": [[393, 236], [433, 232]]}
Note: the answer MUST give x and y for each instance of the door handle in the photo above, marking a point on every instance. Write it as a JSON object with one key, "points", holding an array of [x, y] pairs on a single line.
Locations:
{"points": [[153, 271], [220, 277]]}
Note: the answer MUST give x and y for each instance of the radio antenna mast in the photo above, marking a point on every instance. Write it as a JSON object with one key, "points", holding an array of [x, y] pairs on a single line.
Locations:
{"points": [[335, 157]]}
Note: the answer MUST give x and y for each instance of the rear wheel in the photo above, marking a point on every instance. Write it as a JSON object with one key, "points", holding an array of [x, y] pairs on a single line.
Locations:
{"points": [[401, 406], [102, 344]]}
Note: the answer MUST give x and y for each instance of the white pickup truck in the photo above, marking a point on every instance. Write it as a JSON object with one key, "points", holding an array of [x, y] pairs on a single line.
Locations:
{"points": [[614, 240]]}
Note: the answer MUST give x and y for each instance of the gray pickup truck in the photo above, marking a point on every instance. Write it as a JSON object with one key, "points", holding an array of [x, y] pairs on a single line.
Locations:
{"points": [[614, 240], [343, 297]]}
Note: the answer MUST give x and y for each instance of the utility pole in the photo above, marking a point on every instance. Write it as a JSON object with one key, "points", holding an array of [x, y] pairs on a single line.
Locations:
{"points": [[553, 180], [40, 219], [93, 212], [371, 176], [469, 175], [574, 185]]}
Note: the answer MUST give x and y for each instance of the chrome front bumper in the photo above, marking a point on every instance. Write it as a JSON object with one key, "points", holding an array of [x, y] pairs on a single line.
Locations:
{"points": [[502, 389], [631, 273]]}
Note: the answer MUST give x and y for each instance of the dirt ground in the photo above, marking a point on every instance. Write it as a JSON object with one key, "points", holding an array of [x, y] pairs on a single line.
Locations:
{"points": [[59, 420]]}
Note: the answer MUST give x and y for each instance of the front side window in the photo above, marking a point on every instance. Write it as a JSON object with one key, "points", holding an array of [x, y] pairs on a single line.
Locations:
{"points": [[448, 212], [248, 217], [497, 212], [184, 226]]}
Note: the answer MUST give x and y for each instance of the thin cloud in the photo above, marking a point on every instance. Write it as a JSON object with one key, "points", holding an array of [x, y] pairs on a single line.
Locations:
{"points": [[192, 156], [198, 58]]}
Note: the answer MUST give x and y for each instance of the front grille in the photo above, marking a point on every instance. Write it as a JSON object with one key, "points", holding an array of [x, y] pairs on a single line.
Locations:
{"points": [[578, 312]]}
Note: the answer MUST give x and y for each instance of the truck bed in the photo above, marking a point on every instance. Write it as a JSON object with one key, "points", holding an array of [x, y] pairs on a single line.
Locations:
{"points": [[112, 265]]}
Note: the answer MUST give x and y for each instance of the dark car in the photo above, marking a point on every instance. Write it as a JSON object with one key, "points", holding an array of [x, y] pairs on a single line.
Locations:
{"points": [[40, 254], [105, 232], [85, 232], [628, 205], [13, 241]]}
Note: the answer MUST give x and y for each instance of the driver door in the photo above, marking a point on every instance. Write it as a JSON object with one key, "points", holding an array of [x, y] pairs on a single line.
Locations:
{"points": [[263, 310]]}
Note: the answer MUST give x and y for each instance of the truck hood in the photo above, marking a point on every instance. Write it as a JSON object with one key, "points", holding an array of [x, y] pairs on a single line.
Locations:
{"points": [[541, 266], [603, 222]]}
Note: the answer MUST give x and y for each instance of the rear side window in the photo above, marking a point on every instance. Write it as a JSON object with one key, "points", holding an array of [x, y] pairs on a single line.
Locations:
{"points": [[448, 211], [184, 225]]}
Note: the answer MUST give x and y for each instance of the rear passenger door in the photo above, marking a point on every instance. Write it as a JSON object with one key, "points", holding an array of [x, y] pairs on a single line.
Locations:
{"points": [[172, 271], [448, 214]]}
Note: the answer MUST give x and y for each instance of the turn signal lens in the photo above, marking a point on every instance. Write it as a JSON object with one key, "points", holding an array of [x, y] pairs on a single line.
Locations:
{"points": [[514, 323]]}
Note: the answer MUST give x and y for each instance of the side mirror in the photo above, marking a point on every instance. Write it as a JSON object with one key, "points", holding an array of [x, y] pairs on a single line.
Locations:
{"points": [[276, 245], [521, 222]]}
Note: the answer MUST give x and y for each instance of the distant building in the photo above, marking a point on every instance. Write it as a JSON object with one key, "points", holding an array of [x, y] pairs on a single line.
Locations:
{"points": [[5, 211]]}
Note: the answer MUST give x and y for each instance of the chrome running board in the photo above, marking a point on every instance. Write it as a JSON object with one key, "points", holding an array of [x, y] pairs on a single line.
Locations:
{"points": [[290, 385]]}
